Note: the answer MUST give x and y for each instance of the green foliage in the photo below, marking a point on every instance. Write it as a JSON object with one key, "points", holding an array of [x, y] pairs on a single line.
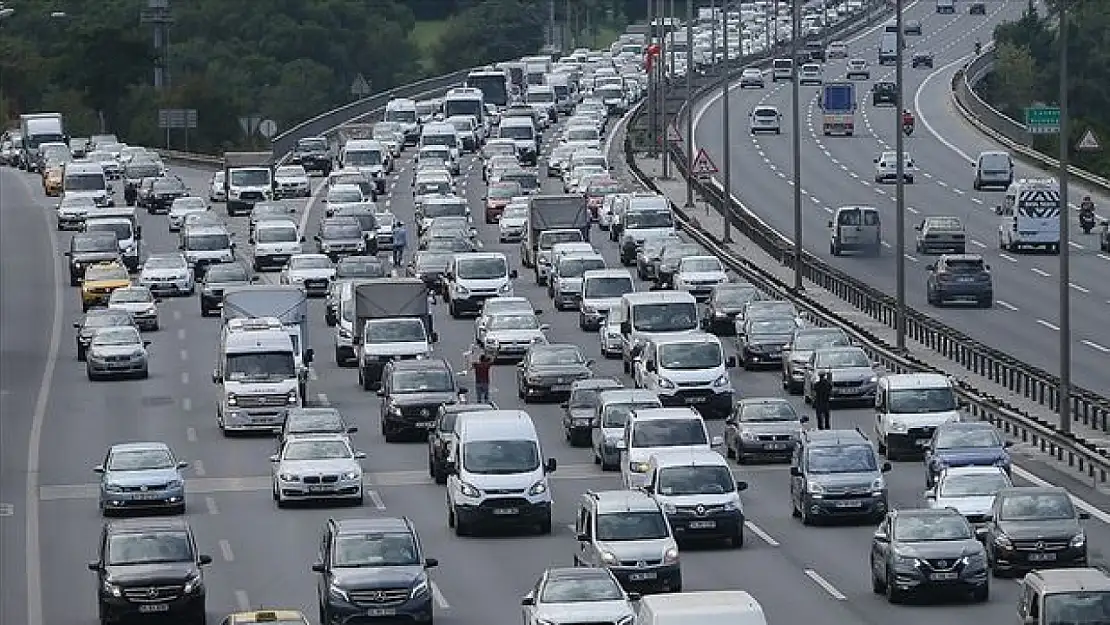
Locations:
{"points": [[490, 31]]}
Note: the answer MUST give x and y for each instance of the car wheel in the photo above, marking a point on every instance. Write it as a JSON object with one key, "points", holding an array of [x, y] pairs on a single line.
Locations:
{"points": [[982, 594], [893, 594], [877, 585], [545, 526]]}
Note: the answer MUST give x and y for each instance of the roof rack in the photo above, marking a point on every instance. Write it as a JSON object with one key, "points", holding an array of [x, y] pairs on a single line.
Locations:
{"points": [[254, 324]]}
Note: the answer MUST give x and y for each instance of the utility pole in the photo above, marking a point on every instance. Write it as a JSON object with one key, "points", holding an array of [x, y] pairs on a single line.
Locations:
{"points": [[690, 106], [157, 13], [653, 83], [900, 185], [796, 140], [726, 127], [551, 24], [666, 76], [1065, 244]]}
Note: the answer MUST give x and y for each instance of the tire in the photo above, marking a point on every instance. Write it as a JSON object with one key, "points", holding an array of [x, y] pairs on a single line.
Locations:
{"points": [[893, 595], [982, 594], [545, 526], [367, 384], [877, 585], [461, 529], [736, 541]]}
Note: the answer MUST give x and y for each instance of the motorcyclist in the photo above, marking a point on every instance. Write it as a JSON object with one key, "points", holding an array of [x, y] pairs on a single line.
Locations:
{"points": [[1087, 205], [1087, 214], [907, 118]]}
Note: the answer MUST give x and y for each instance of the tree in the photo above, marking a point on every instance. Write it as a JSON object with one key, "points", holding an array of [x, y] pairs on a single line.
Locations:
{"points": [[494, 30], [1019, 87]]}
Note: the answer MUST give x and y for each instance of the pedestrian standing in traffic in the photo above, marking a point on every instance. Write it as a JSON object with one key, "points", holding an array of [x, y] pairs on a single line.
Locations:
{"points": [[481, 368], [400, 240], [822, 394]]}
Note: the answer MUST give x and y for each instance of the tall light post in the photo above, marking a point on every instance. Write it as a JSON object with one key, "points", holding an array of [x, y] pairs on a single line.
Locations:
{"points": [[1064, 392], [653, 85], [900, 186], [726, 126], [690, 104], [796, 140]]}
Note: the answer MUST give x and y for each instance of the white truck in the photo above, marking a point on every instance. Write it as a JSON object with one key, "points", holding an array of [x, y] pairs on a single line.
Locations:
{"points": [[1030, 216], [36, 129], [288, 304], [256, 370], [248, 180], [393, 321], [718, 607]]}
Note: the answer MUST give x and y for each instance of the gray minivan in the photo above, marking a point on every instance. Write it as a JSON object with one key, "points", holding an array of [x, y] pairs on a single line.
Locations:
{"points": [[993, 169], [855, 229]]}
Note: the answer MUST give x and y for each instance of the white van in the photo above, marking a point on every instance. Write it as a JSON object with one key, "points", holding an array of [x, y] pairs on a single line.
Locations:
{"points": [[522, 131], [697, 492], [87, 179], [653, 430], [908, 407], [403, 112], [441, 134], [782, 69], [714, 607], [602, 290], [274, 241], [993, 169], [473, 278], [1030, 216], [688, 369], [371, 158], [855, 229], [496, 474], [644, 315]]}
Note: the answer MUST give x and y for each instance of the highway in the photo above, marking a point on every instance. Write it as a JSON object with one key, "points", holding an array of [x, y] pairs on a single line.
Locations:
{"points": [[839, 170], [262, 555]]}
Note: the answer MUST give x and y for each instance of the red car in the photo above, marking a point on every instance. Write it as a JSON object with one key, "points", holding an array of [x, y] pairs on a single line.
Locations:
{"points": [[596, 192], [498, 197]]}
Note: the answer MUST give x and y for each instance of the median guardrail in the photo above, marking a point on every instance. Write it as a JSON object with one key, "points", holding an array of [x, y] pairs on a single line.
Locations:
{"points": [[999, 126], [1037, 385]]}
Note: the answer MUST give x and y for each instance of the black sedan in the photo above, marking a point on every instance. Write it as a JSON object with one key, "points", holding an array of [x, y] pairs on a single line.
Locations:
{"points": [[163, 192], [548, 371], [915, 551], [884, 93], [725, 302], [442, 436], [578, 411], [216, 279], [922, 60], [94, 320]]}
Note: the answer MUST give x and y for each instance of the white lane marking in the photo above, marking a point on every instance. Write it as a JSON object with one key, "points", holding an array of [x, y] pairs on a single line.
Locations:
{"points": [[437, 596], [1008, 257], [1075, 245], [242, 600], [1040, 272], [184, 354], [925, 120], [177, 315], [1094, 345], [191, 433], [1081, 289], [912, 210], [181, 334], [312, 375], [1094, 511], [322, 398], [758, 531], [376, 499], [1050, 326], [1006, 305], [826, 585], [225, 550], [184, 378], [978, 243], [187, 405], [1104, 256], [210, 503], [910, 258], [198, 468]]}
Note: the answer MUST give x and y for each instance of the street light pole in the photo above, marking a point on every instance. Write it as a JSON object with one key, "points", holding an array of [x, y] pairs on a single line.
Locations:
{"points": [[726, 127], [653, 84], [900, 187], [796, 140], [690, 105], [666, 71], [1064, 392]]}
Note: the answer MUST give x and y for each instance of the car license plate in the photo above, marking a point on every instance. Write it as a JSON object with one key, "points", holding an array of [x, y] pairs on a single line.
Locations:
{"points": [[146, 496], [775, 446], [1042, 557], [849, 504], [640, 577], [319, 488], [696, 400], [506, 511], [425, 424], [943, 577], [147, 608], [702, 525], [556, 388], [381, 612]]}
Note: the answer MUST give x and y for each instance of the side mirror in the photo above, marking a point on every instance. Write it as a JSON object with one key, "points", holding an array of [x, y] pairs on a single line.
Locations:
{"points": [[987, 267], [431, 563], [451, 468], [544, 327], [67, 253], [146, 343], [138, 232], [309, 355], [795, 472], [275, 458], [182, 465], [250, 240], [980, 533], [381, 392], [360, 455], [302, 239], [874, 160], [204, 560], [583, 538], [731, 362], [434, 337], [741, 485], [94, 566], [513, 274], [528, 601], [648, 488], [77, 325], [917, 227], [316, 238], [550, 465], [98, 469], [564, 405], [931, 266], [216, 377], [997, 210], [650, 366], [317, 567], [830, 223], [881, 537], [929, 494], [887, 467]]}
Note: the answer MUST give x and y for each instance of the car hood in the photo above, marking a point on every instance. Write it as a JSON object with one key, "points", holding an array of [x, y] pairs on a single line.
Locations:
{"points": [[800, 356], [398, 348], [166, 573], [310, 274], [311, 467], [334, 206], [342, 241], [769, 339], [952, 549], [635, 549], [516, 222], [423, 399], [553, 370], [91, 257], [139, 478], [601, 303], [851, 374], [163, 273], [1038, 529], [581, 413], [771, 427], [583, 612], [703, 275], [369, 577], [971, 456], [968, 506], [114, 350], [849, 481]]}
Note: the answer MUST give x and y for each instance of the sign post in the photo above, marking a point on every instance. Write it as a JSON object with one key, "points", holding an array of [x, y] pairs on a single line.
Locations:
{"points": [[1042, 120], [184, 119], [360, 87], [673, 135]]}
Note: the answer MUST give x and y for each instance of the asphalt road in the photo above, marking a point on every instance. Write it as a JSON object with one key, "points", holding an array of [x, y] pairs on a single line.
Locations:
{"points": [[262, 555], [838, 171]]}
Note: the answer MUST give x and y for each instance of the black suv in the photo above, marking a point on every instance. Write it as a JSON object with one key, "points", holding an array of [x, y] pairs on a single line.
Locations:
{"points": [[90, 248], [442, 436], [373, 569], [916, 551], [960, 278], [977, 8], [922, 60], [836, 474], [217, 278], [1032, 527], [884, 93], [163, 192], [313, 154], [149, 568], [412, 392]]}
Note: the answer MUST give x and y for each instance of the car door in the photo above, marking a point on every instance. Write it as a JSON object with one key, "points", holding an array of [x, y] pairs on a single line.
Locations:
{"points": [[642, 377], [584, 524], [323, 580], [797, 482], [528, 612], [880, 547]]}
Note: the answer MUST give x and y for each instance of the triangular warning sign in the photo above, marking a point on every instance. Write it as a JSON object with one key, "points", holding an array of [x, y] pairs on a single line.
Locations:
{"points": [[703, 165], [672, 134], [1089, 142]]}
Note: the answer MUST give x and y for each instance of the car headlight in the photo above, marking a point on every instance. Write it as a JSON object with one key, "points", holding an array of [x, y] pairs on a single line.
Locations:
{"points": [[878, 484], [815, 488], [112, 488], [394, 409], [1079, 540], [638, 467], [420, 587], [289, 477], [1003, 541], [195, 584], [608, 558], [291, 398], [112, 589], [670, 556], [175, 484], [665, 383], [747, 435], [732, 506], [338, 592], [905, 561], [344, 333], [232, 400], [461, 290], [469, 491], [351, 475], [538, 488], [976, 560], [722, 380]]}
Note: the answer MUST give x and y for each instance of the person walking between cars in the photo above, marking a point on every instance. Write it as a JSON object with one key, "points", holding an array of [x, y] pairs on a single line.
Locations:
{"points": [[822, 392], [400, 239], [481, 369]]}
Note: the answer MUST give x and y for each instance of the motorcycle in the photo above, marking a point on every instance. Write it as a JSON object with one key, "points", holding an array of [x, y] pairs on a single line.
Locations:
{"points": [[907, 128], [1087, 219]]}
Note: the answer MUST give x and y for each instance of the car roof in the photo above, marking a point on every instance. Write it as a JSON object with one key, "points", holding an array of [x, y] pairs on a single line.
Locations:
{"points": [[596, 383], [687, 458], [622, 501], [420, 365], [626, 396], [140, 446], [146, 524], [834, 438], [578, 572], [372, 524], [916, 380], [644, 414]]}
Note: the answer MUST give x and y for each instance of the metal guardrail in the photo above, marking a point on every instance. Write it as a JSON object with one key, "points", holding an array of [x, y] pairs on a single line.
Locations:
{"points": [[1000, 127], [1066, 448]]}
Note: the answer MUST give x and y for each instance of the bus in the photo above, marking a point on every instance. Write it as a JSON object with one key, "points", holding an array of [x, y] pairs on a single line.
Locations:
{"points": [[465, 101], [493, 83]]}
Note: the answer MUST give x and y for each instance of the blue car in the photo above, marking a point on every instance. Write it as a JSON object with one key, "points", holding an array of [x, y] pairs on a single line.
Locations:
{"points": [[962, 445], [141, 476]]}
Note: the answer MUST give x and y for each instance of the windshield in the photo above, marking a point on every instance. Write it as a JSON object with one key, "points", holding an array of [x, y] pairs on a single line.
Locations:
{"points": [[384, 133], [943, 223], [117, 335], [615, 415], [318, 420], [105, 320], [225, 272], [674, 253], [362, 158], [188, 204], [670, 317], [695, 480], [275, 235], [603, 188], [1077, 608], [541, 96], [834, 359], [930, 527], [291, 171], [444, 209], [819, 340], [918, 400], [395, 331], [525, 181], [549, 238], [701, 265], [847, 459], [631, 526], [557, 356], [649, 219], [261, 366], [310, 262], [575, 267], [341, 231], [482, 269], [359, 268], [771, 327], [373, 549], [425, 381], [513, 131], [513, 322], [501, 457], [317, 450], [694, 355], [140, 460], [764, 309], [580, 590], [504, 191], [344, 196], [449, 140], [1036, 507], [207, 242], [426, 262], [149, 548], [122, 229], [767, 411], [974, 485], [433, 187], [400, 115], [106, 273], [312, 145], [762, 112], [131, 296], [607, 287], [965, 265], [77, 203], [85, 182], [668, 433], [952, 438], [250, 177]]}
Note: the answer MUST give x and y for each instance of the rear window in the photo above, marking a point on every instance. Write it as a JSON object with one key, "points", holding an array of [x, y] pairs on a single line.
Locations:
{"points": [[783, 64], [965, 265]]}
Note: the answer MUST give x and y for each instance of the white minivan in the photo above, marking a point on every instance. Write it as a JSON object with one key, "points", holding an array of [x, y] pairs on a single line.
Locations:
{"points": [[645, 314], [496, 475], [654, 430], [688, 369], [699, 495], [473, 278]]}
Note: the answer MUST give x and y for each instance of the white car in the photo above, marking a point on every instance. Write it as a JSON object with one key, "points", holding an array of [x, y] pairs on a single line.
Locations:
{"points": [[837, 50], [497, 305], [575, 595], [72, 211], [342, 195], [291, 181], [752, 77], [514, 219], [573, 181], [315, 455], [216, 191], [509, 334], [167, 274], [183, 207], [765, 118], [858, 70], [886, 167], [140, 302], [699, 274], [810, 74], [312, 272], [439, 153]]}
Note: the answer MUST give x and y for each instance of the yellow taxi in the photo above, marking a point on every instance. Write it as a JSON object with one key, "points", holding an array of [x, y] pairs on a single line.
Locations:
{"points": [[272, 617], [99, 282], [52, 179]]}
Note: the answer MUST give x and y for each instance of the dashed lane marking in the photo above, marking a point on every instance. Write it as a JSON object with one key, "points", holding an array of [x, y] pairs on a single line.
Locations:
{"points": [[437, 596], [184, 378], [758, 531], [226, 552], [1095, 346], [242, 600], [1040, 272], [1006, 305], [191, 433], [1081, 289], [826, 585], [1050, 326], [375, 499], [198, 468], [210, 504]]}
